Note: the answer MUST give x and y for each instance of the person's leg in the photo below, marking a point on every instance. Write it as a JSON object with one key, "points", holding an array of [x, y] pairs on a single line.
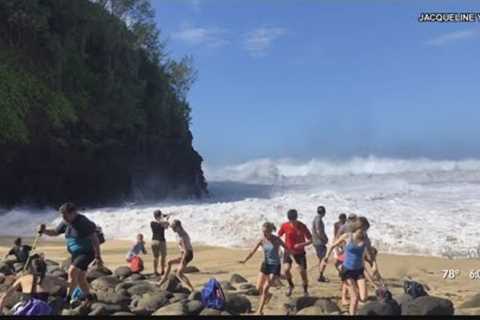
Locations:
{"points": [[266, 295], [344, 294], [183, 277], [155, 253], [72, 280], [170, 263], [362, 289], [288, 276], [82, 282], [260, 282], [353, 290], [163, 256], [301, 262]]}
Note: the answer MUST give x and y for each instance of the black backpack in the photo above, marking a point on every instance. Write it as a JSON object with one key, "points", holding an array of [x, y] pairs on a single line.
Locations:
{"points": [[414, 289]]}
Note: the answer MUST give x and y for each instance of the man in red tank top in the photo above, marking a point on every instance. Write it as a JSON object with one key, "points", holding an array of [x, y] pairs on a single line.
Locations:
{"points": [[297, 237]]}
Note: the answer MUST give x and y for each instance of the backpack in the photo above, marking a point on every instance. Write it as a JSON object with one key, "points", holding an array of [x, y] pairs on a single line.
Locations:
{"points": [[136, 264], [414, 289], [32, 307], [213, 296], [100, 235]]}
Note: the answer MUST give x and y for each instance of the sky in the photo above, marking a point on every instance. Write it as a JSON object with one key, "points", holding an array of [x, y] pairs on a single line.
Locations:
{"points": [[307, 79]]}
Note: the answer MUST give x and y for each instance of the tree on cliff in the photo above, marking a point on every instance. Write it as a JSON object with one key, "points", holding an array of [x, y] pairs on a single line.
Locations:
{"points": [[91, 107]]}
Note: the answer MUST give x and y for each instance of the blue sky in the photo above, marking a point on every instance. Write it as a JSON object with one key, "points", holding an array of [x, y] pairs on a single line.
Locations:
{"points": [[322, 79]]}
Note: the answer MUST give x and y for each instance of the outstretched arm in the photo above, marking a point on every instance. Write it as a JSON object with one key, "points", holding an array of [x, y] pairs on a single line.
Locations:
{"points": [[250, 255], [335, 244]]}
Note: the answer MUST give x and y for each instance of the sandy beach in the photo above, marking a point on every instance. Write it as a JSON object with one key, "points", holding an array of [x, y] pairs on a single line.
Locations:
{"points": [[221, 263]]}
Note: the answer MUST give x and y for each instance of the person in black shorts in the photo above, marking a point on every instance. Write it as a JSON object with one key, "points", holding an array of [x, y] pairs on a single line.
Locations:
{"points": [[159, 244], [82, 244]]}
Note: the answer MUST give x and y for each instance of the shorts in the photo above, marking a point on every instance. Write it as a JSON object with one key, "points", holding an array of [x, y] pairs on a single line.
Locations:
{"points": [[188, 256], [321, 250], [159, 248], [82, 260], [300, 259], [268, 269], [352, 274]]}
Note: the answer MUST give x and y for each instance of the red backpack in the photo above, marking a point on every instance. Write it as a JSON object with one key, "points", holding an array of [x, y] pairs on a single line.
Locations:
{"points": [[136, 264]]}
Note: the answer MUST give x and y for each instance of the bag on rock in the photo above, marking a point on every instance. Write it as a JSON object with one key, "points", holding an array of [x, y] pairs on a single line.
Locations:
{"points": [[414, 289], [136, 264], [213, 296]]}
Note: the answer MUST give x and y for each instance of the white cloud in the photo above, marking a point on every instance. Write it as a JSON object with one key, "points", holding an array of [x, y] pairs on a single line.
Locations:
{"points": [[200, 36], [451, 37], [259, 41]]}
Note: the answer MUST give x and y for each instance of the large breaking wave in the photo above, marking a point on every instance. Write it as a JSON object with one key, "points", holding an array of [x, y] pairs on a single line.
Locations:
{"points": [[416, 206]]}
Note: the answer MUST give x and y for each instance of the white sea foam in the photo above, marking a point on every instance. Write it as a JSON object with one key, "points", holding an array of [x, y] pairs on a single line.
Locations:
{"points": [[414, 206]]}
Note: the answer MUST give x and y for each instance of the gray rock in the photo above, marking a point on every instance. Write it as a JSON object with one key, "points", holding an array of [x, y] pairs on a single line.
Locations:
{"points": [[112, 297], [124, 286], [49, 262], [191, 269], [210, 312], [109, 308], [142, 288], [175, 309], [404, 300], [105, 283], [297, 304], [100, 310], [13, 299], [57, 303], [195, 295], [59, 274], [18, 267], [237, 304], [149, 303], [327, 305], [194, 307], [428, 305], [96, 273], [227, 286], [81, 310], [174, 285], [52, 268], [178, 297], [236, 278], [472, 302], [246, 286], [6, 269], [135, 277], [381, 308], [123, 314], [123, 272]]}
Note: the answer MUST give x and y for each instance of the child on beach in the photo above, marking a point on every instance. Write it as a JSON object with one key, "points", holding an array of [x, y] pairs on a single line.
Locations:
{"points": [[270, 269], [186, 255], [137, 249]]}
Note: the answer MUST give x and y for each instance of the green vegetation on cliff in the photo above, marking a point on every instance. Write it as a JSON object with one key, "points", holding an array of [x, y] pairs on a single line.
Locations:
{"points": [[91, 108]]}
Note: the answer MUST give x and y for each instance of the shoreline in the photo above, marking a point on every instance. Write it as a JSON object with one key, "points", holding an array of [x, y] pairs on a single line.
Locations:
{"points": [[221, 263]]}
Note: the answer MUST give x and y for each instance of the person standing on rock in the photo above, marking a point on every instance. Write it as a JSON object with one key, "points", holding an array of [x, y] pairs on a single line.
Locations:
{"points": [[159, 244], [270, 269], [320, 240], [82, 244], [186, 251], [297, 237]]}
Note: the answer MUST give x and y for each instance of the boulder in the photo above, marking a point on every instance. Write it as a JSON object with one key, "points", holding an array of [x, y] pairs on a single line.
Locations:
{"points": [[140, 289], [381, 308], [236, 278], [227, 286], [149, 303], [237, 304], [472, 302], [57, 303], [428, 305], [18, 267], [246, 286], [135, 277], [297, 304], [49, 263], [51, 269], [6, 269], [105, 283], [210, 312], [99, 310], [327, 305], [124, 286], [191, 269], [174, 285], [312, 311], [112, 297], [177, 297], [13, 299], [175, 309], [123, 314], [109, 308], [2, 278], [194, 307], [59, 274], [81, 310], [98, 272], [123, 272], [195, 295]]}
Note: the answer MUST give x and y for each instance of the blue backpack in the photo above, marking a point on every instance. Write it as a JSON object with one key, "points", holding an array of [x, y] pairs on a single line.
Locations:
{"points": [[213, 296]]}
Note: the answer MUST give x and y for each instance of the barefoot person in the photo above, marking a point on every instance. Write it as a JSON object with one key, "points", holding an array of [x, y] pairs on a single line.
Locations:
{"points": [[19, 250], [342, 219], [270, 269], [36, 288], [353, 265], [159, 245], [137, 249], [297, 237], [186, 256], [82, 244], [320, 240]]}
